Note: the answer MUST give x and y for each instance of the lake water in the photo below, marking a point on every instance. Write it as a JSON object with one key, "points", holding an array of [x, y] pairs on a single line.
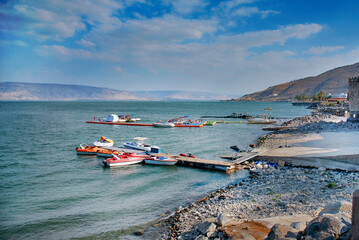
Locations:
{"points": [[47, 191]]}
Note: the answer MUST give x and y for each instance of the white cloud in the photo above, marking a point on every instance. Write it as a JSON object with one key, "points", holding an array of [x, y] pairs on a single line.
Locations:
{"points": [[86, 43], [321, 50], [250, 11], [187, 6], [269, 37], [64, 53], [235, 3], [15, 42], [59, 19]]}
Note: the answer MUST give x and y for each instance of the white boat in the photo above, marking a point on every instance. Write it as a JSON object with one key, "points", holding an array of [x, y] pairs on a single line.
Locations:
{"points": [[133, 119], [123, 160], [104, 142], [139, 144], [164, 124], [161, 161]]}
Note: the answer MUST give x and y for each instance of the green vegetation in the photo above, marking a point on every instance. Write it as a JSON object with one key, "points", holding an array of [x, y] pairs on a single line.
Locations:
{"points": [[331, 185], [316, 97], [271, 192]]}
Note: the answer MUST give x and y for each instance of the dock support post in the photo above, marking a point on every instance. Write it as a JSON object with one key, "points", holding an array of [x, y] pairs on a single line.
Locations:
{"points": [[355, 215]]}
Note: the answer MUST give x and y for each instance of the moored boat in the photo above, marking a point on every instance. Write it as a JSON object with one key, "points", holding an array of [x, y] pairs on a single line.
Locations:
{"points": [[104, 142], [106, 153], [260, 121], [187, 155], [210, 123], [139, 144], [161, 161], [164, 124], [124, 159], [84, 149]]}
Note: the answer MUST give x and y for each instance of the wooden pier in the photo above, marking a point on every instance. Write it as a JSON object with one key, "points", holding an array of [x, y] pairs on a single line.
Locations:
{"points": [[122, 123], [201, 163], [246, 158], [146, 124]]}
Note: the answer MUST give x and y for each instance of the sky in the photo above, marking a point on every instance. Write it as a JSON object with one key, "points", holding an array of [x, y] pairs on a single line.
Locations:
{"points": [[228, 47]]}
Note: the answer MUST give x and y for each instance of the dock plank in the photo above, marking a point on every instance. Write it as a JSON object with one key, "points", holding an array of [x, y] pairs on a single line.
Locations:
{"points": [[245, 158], [201, 163]]}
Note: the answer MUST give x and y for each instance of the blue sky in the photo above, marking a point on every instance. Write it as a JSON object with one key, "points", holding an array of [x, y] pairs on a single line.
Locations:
{"points": [[230, 47]]}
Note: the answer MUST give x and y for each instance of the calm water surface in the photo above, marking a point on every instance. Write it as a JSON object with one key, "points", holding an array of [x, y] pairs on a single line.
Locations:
{"points": [[48, 192]]}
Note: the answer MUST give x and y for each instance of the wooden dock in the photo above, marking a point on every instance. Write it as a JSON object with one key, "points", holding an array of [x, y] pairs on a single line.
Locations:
{"points": [[246, 158], [122, 123], [146, 124], [201, 163]]}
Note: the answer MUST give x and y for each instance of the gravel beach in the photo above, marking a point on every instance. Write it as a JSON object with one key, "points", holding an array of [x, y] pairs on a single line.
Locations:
{"points": [[270, 191]]}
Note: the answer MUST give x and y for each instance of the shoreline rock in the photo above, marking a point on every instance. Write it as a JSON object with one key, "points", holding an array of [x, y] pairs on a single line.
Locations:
{"points": [[271, 193]]}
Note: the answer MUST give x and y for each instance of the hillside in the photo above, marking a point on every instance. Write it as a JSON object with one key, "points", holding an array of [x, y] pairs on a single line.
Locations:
{"points": [[333, 81], [16, 91]]}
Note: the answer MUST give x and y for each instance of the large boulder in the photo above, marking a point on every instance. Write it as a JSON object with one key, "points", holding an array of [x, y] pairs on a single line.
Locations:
{"points": [[207, 228], [225, 219], [342, 210], [279, 231], [324, 227]]}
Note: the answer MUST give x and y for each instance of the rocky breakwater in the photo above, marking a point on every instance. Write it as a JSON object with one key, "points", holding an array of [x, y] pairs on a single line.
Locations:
{"points": [[273, 201], [315, 123]]}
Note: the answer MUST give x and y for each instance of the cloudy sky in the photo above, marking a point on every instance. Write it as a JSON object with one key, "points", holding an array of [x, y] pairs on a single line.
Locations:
{"points": [[230, 47]]}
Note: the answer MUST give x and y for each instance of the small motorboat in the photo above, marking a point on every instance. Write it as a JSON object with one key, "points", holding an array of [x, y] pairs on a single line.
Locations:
{"points": [[187, 155], [260, 121], [139, 144], [104, 142], [164, 124], [124, 159], [84, 149], [107, 153], [161, 161], [210, 123]]}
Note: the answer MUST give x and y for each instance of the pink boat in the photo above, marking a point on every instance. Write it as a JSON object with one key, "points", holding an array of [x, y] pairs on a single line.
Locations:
{"points": [[161, 161], [124, 159]]}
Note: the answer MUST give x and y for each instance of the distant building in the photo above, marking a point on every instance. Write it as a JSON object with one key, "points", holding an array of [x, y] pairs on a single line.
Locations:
{"points": [[353, 96]]}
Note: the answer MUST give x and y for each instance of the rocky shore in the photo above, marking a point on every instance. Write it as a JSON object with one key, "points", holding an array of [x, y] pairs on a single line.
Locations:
{"points": [[315, 123], [274, 202]]}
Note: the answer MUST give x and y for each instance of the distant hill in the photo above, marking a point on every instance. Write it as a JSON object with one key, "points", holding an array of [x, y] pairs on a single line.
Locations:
{"points": [[180, 95], [17, 91], [333, 81]]}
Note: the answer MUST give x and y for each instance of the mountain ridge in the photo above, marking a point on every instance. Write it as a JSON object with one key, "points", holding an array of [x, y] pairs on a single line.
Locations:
{"points": [[21, 91], [333, 81]]}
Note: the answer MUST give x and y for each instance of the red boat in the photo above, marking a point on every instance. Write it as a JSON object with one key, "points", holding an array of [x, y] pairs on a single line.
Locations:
{"points": [[187, 155], [124, 159], [87, 150]]}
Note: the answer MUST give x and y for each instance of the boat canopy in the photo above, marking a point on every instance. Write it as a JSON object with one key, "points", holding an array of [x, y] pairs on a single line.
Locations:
{"points": [[112, 118]]}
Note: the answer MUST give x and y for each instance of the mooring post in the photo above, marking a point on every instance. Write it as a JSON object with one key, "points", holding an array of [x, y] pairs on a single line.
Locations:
{"points": [[355, 215]]}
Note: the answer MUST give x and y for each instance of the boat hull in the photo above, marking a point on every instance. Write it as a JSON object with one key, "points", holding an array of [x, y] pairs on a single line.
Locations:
{"points": [[104, 155], [167, 162], [122, 162], [132, 146], [100, 144], [164, 125], [85, 152]]}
